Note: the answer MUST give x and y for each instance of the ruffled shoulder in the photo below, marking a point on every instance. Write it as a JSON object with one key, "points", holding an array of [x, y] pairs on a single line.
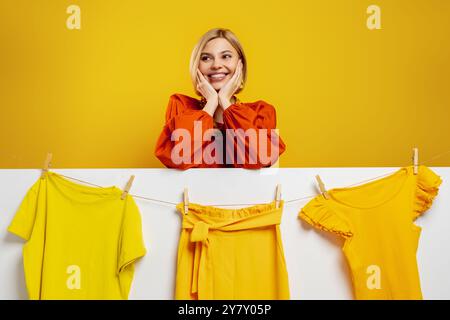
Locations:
{"points": [[319, 215], [427, 187]]}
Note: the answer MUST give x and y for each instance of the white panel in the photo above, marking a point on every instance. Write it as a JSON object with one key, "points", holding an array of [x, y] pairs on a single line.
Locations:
{"points": [[316, 266]]}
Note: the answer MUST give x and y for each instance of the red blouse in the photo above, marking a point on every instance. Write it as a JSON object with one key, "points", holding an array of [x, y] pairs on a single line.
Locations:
{"points": [[183, 110]]}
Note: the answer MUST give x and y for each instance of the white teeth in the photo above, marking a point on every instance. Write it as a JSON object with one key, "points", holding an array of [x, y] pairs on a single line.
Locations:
{"points": [[218, 75]]}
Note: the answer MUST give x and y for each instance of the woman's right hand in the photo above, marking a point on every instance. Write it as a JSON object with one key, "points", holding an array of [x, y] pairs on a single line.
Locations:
{"points": [[205, 88], [208, 92]]}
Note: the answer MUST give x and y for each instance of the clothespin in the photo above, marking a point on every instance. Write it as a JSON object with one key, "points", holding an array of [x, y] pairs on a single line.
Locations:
{"points": [[186, 200], [47, 164], [322, 188], [127, 188], [415, 159], [278, 196]]}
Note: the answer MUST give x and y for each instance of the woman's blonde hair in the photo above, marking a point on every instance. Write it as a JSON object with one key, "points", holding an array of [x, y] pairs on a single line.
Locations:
{"points": [[210, 35]]}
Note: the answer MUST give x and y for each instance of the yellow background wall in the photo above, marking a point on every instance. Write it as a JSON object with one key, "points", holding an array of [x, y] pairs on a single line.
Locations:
{"points": [[345, 95]]}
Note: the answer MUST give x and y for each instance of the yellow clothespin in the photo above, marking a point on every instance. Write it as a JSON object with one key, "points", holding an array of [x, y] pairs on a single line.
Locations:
{"points": [[47, 164], [127, 188], [415, 159], [186, 200], [322, 187], [278, 196]]}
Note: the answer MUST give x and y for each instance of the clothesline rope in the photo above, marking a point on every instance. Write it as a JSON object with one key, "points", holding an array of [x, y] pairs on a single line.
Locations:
{"points": [[252, 204]]}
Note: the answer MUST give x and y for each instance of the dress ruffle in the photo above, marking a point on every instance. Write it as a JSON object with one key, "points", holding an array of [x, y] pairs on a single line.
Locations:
{"points": [[317, 214], [427, 188]]}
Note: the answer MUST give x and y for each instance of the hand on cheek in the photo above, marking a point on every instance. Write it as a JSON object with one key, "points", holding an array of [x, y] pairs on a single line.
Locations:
{"points": [[232, 85], [205, 88]]}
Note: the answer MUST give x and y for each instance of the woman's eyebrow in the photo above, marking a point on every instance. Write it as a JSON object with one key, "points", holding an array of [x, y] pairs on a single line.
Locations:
{"points": [[210, 54]]}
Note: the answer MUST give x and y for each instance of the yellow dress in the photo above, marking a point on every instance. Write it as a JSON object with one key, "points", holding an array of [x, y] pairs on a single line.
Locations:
{"points": [[376, 220], [231, 253], [81, 241]]}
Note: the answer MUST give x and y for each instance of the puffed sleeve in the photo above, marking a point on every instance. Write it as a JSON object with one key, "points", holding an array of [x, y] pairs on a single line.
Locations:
{"points": [[427, 187], [257, 116], [179, 116], [319, 215]]}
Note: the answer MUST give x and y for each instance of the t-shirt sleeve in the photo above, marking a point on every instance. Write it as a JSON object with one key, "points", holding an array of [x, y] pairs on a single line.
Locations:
{"points": [[131, 245], [320, 216], [24, 218], [427, 187]]}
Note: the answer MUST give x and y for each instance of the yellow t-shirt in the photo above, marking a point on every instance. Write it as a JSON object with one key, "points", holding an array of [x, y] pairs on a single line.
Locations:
{"points": [[81, 241], [376, 220]]}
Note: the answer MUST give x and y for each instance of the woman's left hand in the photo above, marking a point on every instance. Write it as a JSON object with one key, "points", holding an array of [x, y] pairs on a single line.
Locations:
{"points": [[232, 85]]}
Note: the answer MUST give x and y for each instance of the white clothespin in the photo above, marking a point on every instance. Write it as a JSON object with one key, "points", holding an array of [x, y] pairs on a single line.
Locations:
{"points": [[322, 188], [127, 188], [186, 200], [278, 196], [415, 159], [47, 164]]}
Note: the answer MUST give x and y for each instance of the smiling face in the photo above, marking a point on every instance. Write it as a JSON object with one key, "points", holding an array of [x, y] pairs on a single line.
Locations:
{"points": [[218, 62]]}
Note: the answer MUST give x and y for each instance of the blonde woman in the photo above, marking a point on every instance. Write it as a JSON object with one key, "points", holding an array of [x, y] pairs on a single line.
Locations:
{"points": [[219, 71]]}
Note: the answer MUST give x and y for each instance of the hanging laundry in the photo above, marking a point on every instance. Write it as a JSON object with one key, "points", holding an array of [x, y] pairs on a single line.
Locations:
{"points": [[376, 220], [81, 241], [231, 253]]}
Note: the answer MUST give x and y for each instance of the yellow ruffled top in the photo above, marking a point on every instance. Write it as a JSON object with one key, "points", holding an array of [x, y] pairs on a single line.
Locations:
{"points": [[376, 220]]}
